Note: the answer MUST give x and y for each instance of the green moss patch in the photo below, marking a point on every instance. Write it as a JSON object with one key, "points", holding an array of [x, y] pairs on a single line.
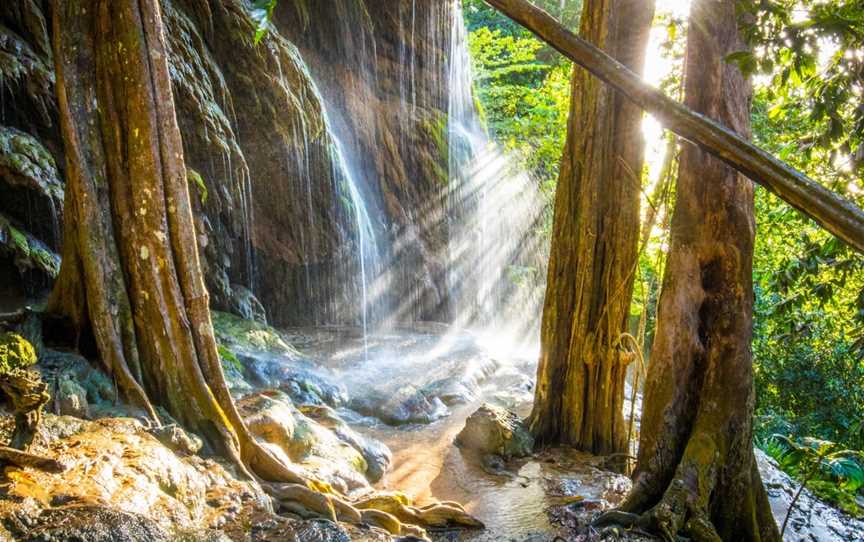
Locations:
{"points": [[15, 353]]}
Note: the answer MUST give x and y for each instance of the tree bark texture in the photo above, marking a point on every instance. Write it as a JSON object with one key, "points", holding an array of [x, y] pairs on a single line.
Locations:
{"points": [[696, 472], [580, 380], [131, 274], [839, 216]]}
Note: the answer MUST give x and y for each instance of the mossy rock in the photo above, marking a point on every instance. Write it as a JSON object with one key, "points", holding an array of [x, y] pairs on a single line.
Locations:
{"points": [[26, 251], [237, 334], [25, 162], [15, 353]]}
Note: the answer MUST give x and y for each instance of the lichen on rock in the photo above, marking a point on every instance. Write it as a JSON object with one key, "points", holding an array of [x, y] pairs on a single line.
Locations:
{"points": [[23, 388], [31, 207]]}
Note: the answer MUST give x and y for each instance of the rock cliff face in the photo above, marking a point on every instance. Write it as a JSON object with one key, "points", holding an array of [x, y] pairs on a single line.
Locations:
{"points": [[31, 190], [342, 105], [269, 194], [382, 67]]}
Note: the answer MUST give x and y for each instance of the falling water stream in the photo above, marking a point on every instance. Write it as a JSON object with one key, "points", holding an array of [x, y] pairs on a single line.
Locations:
{"points": [[369, 256], [493, 208]]}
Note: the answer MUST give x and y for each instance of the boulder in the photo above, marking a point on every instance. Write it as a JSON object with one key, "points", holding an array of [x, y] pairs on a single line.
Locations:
{"points": [[87, 524], [335, 457], [269, 418], [492, 430], [121, 477], [377, 455], [306, 387]]}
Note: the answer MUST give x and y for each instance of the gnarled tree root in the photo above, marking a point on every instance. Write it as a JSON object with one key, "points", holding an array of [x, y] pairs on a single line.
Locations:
{"points": [[673, 515], [392, 512]]}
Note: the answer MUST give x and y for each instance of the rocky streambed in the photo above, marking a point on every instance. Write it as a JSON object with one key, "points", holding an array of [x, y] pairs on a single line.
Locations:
{"points": [[373, 416]]}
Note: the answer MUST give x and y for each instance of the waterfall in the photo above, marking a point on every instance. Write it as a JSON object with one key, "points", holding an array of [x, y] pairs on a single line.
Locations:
{"points": [[493, 209], [369, 256], [433, 220], [466, 198]]}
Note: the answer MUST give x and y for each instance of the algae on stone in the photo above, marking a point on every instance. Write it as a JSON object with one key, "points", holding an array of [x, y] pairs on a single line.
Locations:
{"points": [[23, 388]]}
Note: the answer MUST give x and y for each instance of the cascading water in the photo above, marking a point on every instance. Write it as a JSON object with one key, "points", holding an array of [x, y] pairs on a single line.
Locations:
{"points": [[466, 141], [348, 192], [444, 250], [493, 208], [369, 256]]}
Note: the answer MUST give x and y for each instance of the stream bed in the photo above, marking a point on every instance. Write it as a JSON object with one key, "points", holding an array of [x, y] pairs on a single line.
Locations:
{"points": [[439, 376], [532, 499]]}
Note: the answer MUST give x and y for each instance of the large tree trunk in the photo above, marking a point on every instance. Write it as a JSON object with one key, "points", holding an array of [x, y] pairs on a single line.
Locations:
{"points": [[696, 472], [839, 216], [130, 273], [580, 379]]}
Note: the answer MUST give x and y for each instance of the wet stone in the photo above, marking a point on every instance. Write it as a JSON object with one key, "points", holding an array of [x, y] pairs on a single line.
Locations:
{"points": [[493, 430], [406, 405]]}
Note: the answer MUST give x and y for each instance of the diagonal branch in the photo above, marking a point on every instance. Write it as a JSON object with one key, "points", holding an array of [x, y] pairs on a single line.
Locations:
{"points": [[839, 216]]}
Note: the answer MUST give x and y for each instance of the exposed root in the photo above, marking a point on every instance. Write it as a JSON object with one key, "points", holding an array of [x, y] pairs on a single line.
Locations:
{"points": [[392, 512], [394, 504], [415, 531], [700, 529], [671, 516], [344, 511], [386, 521], [294, 494], [435, 515], [452, 504], [443, 515], [614, 518]]}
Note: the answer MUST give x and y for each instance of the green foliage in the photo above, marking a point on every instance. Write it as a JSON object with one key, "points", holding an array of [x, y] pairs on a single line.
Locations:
{"points": [[261, 12], [479, 14], [831, 472], [808, 340], [811, 50], [15, 352], [524, 90]]}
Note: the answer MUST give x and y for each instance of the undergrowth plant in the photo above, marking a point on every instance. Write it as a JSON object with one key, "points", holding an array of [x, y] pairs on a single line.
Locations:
{"points": [[833, 473]]}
